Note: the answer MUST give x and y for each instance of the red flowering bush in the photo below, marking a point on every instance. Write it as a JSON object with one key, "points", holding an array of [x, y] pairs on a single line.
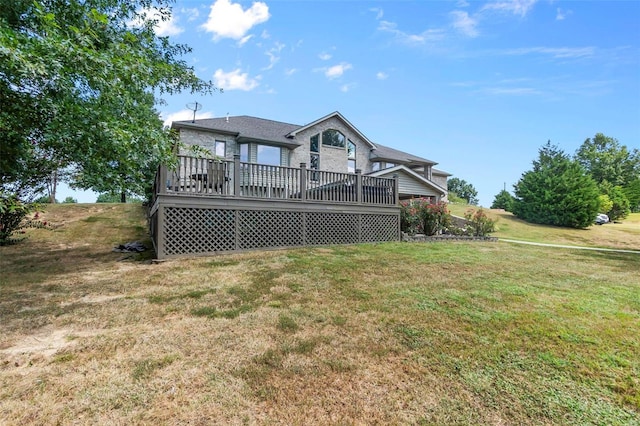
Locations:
{"points": [[478, 223], [420, 216]]}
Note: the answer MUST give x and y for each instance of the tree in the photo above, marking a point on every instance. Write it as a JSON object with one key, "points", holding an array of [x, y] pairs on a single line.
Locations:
{"points": [[108, 198], [632, 192], [79, 83], [605, 203], [69, 200], [503, 200], [606, 160], [619, 207], [557, 192], [463, 189]]}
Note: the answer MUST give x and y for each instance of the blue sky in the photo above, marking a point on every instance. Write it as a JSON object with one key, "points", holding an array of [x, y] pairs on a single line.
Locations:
{"points": [[477, 86]]}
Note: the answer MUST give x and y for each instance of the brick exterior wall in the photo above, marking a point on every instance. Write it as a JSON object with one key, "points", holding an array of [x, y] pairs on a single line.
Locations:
{"points": [[207, 140], [331, 158]]}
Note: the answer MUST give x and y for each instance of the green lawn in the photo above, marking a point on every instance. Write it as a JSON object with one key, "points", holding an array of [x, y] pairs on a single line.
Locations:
{"points": [[623, 235], [398, 333]]}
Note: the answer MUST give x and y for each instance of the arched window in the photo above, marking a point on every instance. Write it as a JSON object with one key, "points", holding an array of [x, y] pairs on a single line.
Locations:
{"points": [[333, 137]]}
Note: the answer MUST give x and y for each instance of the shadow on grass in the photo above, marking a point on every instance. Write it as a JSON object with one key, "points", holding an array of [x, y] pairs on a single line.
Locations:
{"points": [[623, 262]]}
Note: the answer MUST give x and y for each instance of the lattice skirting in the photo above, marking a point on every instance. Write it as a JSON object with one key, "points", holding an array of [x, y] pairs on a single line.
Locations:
{"points": [[191, 230]]}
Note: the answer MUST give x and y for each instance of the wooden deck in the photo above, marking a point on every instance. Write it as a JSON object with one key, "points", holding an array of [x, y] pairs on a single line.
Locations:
{"points": [[206, 206]]}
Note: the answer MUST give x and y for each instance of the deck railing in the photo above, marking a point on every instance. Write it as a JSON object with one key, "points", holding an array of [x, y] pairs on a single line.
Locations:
{"points": [[211, 177]]}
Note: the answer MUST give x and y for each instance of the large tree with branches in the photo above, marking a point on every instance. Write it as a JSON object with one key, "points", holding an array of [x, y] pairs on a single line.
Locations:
{"points": [[79, 84]]}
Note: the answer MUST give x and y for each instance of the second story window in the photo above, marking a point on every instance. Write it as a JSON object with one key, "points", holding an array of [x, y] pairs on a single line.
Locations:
{"points": [[333, 137], [351, 156]]}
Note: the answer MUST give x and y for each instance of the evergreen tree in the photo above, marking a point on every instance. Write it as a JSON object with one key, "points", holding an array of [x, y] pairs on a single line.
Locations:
{"points": [[556, 192], [503, 200]]}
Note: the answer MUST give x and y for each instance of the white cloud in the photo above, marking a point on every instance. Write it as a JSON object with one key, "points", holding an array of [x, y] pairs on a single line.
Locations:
{"points": [[401, 36], [244, 39], [464, 23], [382, 75], [290, 71], [462, 3], [192, 13], [337, 70], [273, 55], [517, 7], [324, 56], [228, 20], [378, 11], [183, 115], [168, 28], [235, 80], [556, 52], [562, 14], [165, 25], [347, 87], [512, 91]]}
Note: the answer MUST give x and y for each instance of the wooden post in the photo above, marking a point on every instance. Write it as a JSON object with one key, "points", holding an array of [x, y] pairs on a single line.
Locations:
{"points": [[396, 189], [162, 179], [359, 186], [303, 181], [236, 175], [160, 234]]}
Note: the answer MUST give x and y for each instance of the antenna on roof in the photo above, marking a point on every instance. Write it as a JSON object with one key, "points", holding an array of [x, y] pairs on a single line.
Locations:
{"points": [[227, 117], [194, 106]]}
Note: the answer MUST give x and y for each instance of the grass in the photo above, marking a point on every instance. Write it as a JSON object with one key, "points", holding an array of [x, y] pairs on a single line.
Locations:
{"points": [[435, 333], [624, 235]]}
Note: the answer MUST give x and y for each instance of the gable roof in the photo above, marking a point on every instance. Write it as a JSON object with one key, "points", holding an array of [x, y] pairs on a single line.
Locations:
{"points": [[413, 174], [246, 129], [396, 156], [339, 116], [254, 129]]}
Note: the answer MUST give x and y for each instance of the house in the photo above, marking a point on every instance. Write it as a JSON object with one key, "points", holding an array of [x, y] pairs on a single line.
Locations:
{"points": [[266, 184], [330, 144]]}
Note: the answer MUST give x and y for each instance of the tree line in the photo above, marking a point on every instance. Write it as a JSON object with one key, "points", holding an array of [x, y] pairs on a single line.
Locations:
{"points": [[602, 177]]}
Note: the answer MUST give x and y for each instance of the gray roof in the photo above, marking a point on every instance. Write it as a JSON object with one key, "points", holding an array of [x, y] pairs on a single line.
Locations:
{"points": [[393, 155], [247, 128]]}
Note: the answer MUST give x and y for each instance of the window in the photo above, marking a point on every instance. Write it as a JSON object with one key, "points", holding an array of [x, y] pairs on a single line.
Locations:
{"points": [[314, 143], [244, 152], [269, 155], [219, 149], [314, 164], [333, 138], [351, 156], [375, 166]]}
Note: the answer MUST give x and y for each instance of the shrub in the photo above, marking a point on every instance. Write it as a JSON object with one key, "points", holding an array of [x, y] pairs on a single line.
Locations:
{"points": [[410, 217], [478, 223], [13, 218], [420, 216], [436, 218]]}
